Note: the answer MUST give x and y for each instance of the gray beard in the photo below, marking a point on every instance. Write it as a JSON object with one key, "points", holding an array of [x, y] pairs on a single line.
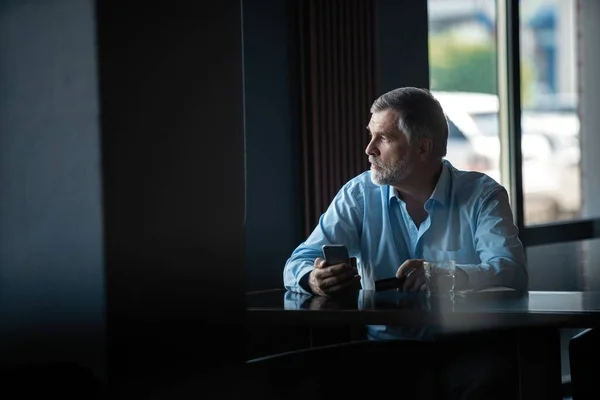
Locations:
{"points": [[390, 175]]}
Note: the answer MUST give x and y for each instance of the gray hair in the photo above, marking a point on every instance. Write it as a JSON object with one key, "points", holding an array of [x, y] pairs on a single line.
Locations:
{"points": [[421, 115]]}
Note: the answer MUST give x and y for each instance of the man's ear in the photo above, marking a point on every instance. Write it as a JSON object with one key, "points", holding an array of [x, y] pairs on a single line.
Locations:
{"points": [[425, 148]]}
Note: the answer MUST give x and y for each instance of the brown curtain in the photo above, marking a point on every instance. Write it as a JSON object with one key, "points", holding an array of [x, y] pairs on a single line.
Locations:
{"points": [[338, 85]]}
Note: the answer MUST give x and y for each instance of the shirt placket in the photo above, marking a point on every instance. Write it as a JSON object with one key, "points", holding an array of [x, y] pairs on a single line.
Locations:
{"points": [[413, 233], [418, 253]]}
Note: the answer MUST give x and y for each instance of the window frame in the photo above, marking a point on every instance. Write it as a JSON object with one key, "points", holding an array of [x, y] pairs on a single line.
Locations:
{"points": [[511, 162]]}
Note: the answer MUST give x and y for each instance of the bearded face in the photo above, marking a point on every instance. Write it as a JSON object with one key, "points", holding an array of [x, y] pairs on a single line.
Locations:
{"points": [[390, 153]]}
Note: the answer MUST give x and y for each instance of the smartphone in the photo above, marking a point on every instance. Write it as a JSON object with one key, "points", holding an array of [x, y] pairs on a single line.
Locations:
{"points": [[389, 283], [392, 283], [335, 254]]}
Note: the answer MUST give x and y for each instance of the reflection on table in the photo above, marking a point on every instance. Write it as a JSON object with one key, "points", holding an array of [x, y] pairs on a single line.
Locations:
{"points": [[473, 310]]}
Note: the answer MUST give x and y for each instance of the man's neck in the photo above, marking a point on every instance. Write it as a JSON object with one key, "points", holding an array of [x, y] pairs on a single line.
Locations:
{"points": [[419, 190]]}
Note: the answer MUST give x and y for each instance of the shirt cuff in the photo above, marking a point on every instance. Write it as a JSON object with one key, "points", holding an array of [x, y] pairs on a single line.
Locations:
{"points": [[485, 276], [303, 282], [476, 276], [303, 286]]}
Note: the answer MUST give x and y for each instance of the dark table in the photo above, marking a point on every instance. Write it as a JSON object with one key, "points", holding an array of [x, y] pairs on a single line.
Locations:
{"points": [[537, 316], [475, 310]]}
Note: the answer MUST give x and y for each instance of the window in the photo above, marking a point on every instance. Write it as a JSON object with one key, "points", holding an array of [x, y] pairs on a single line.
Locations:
{"points": [[549, 111], [462, 54], [510, 75], [454, 133], [463, 73]]}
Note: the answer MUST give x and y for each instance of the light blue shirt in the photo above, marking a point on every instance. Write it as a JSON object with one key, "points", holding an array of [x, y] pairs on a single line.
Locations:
{"points": [[469, 221]]}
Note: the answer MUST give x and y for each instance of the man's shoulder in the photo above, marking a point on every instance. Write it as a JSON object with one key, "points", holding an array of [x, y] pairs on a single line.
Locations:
{"points": [[360, 185], [362, 181], [474, 183]]}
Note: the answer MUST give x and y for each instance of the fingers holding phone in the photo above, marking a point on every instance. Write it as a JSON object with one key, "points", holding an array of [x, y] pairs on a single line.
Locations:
{"points": [[326, 279]]}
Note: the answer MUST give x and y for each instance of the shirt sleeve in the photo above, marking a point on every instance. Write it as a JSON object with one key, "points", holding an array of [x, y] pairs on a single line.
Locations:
{"points": [[341, 223], [499, 247]]}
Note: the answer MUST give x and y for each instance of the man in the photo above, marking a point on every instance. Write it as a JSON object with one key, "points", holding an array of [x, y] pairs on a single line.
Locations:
{"points": [[411, 206]]}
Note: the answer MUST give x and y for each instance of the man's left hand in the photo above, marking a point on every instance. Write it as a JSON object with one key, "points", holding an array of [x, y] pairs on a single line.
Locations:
{"points": [[414, 274]]}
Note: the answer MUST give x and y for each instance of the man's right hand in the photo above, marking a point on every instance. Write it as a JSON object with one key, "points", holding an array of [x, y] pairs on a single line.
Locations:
{"points": [[328, 279]]}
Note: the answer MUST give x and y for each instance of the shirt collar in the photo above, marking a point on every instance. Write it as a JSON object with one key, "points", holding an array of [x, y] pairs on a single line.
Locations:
{"points": [[441, 192]]}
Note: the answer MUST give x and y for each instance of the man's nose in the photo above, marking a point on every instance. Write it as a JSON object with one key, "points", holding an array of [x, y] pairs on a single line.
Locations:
{"points": [[371, 149]]}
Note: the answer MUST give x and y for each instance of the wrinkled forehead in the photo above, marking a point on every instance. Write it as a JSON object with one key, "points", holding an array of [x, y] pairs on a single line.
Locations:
{"points": [[384, 121]]}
